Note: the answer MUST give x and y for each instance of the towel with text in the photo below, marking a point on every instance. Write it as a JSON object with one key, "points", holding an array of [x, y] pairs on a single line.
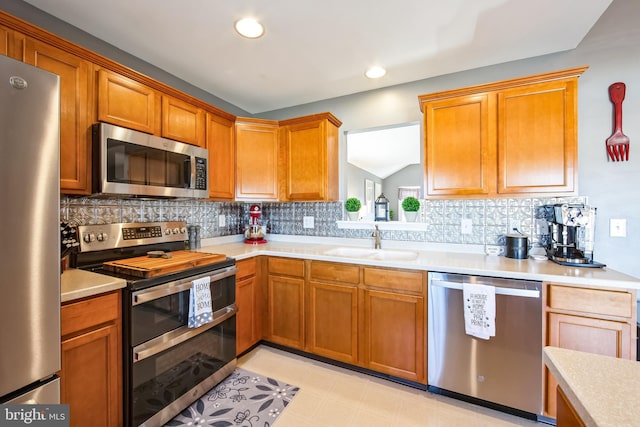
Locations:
{"points": [[479, 310], [200, 311]]}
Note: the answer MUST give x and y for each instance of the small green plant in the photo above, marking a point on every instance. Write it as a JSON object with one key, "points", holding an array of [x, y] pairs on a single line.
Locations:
{"points": [[411, 204], [352, 204]]}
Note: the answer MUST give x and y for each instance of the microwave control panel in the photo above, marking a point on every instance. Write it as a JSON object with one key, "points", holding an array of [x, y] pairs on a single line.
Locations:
{"points": [[201, 174]]}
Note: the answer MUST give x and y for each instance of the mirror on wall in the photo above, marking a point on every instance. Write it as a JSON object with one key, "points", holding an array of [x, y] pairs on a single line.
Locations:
{"points": [[384, 160]]}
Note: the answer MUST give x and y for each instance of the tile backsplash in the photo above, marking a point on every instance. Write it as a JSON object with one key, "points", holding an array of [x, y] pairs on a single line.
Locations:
{"points": [[490, 218]]}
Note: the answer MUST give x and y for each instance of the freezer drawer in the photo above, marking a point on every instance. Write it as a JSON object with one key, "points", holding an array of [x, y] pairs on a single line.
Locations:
{"points": [[47, 393], [505, 369]]}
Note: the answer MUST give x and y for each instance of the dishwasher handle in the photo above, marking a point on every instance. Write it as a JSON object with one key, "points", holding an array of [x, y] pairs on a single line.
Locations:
{"points": [[526, 293]]}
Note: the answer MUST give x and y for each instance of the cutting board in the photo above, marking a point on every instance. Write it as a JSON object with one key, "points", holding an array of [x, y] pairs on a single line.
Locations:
{"points": [[146, 267]]}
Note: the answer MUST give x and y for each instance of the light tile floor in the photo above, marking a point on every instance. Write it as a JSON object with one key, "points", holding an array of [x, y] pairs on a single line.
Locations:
{"points": [[331, 396]]}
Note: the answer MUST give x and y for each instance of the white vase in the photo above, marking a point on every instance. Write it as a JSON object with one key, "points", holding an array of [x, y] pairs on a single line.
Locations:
{"points": [[411, 216], [353, 216]]}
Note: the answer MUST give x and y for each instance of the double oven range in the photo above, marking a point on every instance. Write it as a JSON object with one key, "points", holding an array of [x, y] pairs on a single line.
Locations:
{"points": [[166, 364]]}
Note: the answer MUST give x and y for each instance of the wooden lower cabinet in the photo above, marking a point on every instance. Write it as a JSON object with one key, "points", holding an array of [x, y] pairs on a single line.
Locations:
{"points": [[566, 413], [249, 302], [332, 315], [91, 374], [285, 302], [590, 320], [374, 318]]}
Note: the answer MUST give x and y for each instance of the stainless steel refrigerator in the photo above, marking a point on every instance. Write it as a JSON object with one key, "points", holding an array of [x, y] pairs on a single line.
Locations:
{"points": [[30, 232]]}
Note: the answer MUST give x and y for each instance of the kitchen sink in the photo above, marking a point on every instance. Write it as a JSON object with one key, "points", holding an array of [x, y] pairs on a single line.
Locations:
{"points": [[377, 254]]}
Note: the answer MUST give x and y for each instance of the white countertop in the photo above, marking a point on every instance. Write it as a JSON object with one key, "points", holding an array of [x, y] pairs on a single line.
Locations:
{"points": [[77, 284], [429, 260], [603, 390]]}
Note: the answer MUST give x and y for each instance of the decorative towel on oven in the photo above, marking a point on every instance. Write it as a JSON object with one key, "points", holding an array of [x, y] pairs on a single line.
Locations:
{"points": [[200, 303], [479, 310]]}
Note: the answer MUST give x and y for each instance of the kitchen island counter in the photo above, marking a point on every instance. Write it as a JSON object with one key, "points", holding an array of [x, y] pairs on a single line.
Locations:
{"points": [[603, 390], [429, 260], [76, 284]]}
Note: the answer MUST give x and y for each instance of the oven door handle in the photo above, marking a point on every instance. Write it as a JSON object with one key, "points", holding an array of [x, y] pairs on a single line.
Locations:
{"points": [[180, 335], [177, 286]]}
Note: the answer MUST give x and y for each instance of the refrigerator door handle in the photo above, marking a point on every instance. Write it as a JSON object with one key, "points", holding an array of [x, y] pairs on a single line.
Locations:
{"points": [[516, 292]]}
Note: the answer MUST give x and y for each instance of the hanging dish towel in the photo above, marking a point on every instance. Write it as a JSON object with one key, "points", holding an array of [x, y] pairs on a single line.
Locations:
{"points": [[200, 303], [479, 310]]}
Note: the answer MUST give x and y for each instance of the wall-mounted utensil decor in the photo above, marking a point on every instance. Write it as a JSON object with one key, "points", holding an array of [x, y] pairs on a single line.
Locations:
{"points": [[618, 143]]}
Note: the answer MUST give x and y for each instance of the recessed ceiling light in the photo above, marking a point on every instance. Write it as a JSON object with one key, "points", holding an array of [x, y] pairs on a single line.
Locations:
{"points": [[375, 72], [249, 28]]}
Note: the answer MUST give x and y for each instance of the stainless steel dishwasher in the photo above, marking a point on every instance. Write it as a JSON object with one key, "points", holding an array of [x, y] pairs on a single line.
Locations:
{"points": [[505, 371]]}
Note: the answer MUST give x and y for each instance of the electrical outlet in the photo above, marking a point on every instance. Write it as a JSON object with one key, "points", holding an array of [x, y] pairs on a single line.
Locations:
{"points": [[617, 227], [513, 224], [466, 226], [308, 222], [222, 220]]}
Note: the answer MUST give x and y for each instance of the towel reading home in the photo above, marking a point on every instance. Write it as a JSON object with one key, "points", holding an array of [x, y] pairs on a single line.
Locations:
{"points": [[479, 310], [200, 311]]}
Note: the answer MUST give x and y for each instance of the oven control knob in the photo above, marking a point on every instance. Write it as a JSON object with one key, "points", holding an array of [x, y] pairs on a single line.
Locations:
{"points": [[101, 237], [89, 237], [176, 230], [167, 231], [183, 230]]}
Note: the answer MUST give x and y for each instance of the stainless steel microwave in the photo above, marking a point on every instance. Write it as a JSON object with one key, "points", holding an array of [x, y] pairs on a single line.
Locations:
{"points": [[132, 163]]}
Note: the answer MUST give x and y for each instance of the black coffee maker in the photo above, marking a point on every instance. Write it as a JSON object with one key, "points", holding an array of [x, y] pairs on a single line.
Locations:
{"points": [[571, 234]]}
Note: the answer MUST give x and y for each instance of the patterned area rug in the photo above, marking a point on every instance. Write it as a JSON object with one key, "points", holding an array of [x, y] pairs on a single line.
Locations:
{"points": [[244, 399]]}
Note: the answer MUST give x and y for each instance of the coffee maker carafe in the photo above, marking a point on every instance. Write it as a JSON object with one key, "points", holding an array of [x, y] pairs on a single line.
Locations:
{"points": [[571, 234]]}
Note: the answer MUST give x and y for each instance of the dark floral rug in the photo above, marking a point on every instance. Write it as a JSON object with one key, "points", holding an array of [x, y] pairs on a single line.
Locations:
{"points": [[244, 399]]}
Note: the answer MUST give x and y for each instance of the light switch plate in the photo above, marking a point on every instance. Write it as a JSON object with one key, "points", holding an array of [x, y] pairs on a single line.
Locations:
{"points": [[618, 227], [222, 220], [308, 222], [466, 226]]}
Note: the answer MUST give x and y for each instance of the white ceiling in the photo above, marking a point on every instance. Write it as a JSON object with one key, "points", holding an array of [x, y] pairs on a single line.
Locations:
{"points": [[318, 50], [385, 151]]}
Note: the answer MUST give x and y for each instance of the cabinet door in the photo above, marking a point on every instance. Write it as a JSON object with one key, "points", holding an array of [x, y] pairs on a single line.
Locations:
{"points": [[246, 331], [310, 158], [460, 145], [333, 321], [394, 334], [75, 98], [222, 156], [89, 377], [256, 161], [537, 138], [125, 102], [182, 121], [286, 311], [597, 336]]}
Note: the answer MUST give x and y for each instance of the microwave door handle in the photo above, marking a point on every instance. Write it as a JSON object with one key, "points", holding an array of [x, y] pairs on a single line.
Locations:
{"points": [[188, 169]]}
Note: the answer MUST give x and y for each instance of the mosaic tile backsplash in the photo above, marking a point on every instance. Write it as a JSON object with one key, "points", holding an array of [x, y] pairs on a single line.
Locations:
{"points": [[491, 218]]}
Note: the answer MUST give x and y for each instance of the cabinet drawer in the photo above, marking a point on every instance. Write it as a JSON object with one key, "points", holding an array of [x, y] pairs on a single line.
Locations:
{"points": [[594, 301], [403, 280], [246, 268], [335, 272], [286, 266], [88, 313]]}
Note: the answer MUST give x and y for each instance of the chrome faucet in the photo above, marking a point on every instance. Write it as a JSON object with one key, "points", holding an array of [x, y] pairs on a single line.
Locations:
{"points": [[377, 243]]}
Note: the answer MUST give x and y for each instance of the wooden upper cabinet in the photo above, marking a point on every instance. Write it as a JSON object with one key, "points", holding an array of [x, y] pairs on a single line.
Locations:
{"points": [[537, 138], [309, 157], [125, 102], [510, 137], [256, 159], [182, 121], [460, 148], [222, 157], [76, 97]]}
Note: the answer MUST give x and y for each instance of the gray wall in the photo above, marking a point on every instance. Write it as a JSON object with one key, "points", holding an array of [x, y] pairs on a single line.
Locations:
{"points": [[612, 51]]}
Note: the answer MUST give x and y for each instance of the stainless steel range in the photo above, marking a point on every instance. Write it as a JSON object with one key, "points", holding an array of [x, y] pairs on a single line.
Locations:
{"points": [[167, 365]]}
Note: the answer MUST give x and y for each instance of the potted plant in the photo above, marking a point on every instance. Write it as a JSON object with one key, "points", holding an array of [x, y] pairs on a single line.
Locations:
{"points": [[411, 206], [352, 205]]}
